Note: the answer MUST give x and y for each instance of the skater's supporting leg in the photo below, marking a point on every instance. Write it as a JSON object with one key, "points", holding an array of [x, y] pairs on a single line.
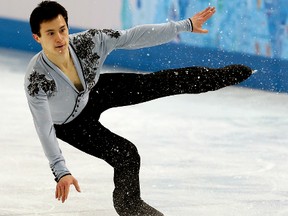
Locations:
{"points": [[121, 154]]}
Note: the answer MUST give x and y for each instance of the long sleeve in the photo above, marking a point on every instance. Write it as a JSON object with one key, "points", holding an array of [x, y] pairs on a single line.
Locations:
{"points": [[151, 35], [39, 107], [138, 37], [43, 123]]}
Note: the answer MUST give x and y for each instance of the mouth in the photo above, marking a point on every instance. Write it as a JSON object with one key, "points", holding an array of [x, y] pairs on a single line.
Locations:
{"points": [[60, 46]]}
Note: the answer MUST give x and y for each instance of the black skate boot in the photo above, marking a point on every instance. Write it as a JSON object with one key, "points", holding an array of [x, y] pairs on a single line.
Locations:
{"points": [[231, 75], [203, 79], [147, 210], [137, 208], [210, 79]]}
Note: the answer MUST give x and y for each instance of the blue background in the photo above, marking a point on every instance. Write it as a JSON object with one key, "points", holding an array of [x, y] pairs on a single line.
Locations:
{"points": [[251, 26]]}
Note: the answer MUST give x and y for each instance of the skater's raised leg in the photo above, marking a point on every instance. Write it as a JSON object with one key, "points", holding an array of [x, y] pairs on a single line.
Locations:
{"points": [[121, 89]]}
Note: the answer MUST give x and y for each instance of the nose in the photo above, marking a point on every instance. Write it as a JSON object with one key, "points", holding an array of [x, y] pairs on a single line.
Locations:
{"points": [[59, 37]]}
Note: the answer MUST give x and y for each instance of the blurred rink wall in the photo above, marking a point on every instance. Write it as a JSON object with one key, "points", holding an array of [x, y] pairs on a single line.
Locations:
{"points": [[250, 32]]}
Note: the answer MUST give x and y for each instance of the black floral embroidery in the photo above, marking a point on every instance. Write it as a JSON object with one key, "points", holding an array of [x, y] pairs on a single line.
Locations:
{"points": [[84, 46], [111, 33], [39, 81]]}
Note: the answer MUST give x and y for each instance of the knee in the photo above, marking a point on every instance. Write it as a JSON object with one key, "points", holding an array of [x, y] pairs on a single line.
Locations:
{"points": [[131, 157], [126, 157]]}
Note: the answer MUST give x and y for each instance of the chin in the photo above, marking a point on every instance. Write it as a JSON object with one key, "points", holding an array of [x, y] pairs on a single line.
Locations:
{"points": [[62, 50]]}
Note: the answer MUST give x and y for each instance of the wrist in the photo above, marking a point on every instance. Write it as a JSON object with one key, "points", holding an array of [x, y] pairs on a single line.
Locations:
{"points": [[191, 24], [58, 179]]}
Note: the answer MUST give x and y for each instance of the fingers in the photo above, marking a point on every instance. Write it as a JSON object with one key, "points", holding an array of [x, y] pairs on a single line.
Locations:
{"points": [[203, 31], [56, 193], [63, 188], [65, 195], [62, 192], [205, 11], [76, 185], [200, 18], [209, 13]]}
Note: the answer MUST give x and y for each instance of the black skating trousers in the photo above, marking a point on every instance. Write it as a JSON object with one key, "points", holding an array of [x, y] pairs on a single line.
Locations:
{"points": [[87, 134]]}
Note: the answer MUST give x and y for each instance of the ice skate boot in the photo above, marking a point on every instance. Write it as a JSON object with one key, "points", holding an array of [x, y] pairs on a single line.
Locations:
{"points": [[204, 79]]}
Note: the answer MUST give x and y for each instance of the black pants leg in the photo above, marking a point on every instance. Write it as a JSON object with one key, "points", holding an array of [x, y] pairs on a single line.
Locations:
{"points": [[87, 134], [123, 89]]}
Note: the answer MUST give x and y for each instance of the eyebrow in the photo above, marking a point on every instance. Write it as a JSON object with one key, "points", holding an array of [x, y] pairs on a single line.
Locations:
{"points": [[52, 30]]}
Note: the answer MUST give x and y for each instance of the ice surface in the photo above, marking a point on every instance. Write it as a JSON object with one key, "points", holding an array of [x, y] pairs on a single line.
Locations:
{"points": [[221, 153]]}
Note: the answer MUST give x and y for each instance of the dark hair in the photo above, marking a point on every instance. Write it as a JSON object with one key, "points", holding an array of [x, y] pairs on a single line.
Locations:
{"points": [[46, 11]]}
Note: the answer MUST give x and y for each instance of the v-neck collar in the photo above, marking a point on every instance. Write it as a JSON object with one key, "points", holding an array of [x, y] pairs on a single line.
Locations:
{"points": [[62, 74]]}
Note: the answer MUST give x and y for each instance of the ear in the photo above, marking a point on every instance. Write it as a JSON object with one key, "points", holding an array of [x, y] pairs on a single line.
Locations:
{"points": [[36, 37]]}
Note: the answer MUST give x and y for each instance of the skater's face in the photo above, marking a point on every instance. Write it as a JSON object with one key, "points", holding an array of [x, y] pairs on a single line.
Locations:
{"points": [[54, 36]]}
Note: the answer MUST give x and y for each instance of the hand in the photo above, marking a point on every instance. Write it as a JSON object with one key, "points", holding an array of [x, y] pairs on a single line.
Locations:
{"points": [[200, 18], [63, 186]]}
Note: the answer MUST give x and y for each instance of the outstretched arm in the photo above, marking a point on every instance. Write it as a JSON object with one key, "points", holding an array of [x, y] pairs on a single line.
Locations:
{"points": [[200, 18], [152, 34]]}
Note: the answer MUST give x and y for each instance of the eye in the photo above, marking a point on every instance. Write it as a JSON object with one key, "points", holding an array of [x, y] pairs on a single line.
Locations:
{"points": [[50, 33]]}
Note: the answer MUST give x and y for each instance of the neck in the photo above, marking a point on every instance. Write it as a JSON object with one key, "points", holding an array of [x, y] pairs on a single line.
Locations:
{"points": [[61, 61]]}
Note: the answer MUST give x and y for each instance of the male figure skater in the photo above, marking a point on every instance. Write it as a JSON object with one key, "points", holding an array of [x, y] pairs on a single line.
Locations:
{"points": [[66, 96]]}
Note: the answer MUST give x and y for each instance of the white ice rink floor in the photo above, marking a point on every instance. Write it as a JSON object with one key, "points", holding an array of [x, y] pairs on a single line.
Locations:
{"points": [[222, 153]]}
